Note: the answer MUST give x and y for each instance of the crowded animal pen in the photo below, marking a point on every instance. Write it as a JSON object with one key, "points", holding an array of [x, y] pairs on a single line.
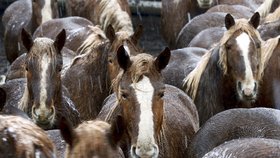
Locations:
{"points": [[139, 78]]}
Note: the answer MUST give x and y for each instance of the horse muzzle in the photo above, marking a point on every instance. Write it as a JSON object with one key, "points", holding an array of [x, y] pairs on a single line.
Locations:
{"points": [[247, 93], [43, 117], [205, 3], [150, 151]]}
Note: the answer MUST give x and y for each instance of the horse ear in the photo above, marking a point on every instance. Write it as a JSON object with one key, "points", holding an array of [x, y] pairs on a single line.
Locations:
{"points": [[26, 39], [229, 21], [116, 131], [162, 59], [123, 58], [3, 96], [110, 33], [255, 20], [137, 34], [60, 40], [67, 131]]}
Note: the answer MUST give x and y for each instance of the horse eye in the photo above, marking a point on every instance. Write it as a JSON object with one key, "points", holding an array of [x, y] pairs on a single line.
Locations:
{"points": [[161, 94], [124, 95], [110, 61], [26, 68]]}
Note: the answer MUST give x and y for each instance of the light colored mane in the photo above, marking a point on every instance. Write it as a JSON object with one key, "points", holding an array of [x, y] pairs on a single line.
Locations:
{"points": [[273, 16], [93, 41], [141, 64], [191, 82], [268, 48], [26, 135], [265, 8], [111, 12]]}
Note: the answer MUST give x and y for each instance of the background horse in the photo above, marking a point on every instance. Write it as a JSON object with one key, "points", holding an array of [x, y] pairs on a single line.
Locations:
{"points": [[22, 138], [150, 109], [44, 99], [93, 139], [175, 14], [235, 124], [246, 148], [228, 75], [24, 14]]}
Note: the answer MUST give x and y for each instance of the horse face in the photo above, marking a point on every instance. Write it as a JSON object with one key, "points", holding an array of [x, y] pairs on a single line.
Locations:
{"points": [[243, 65], [141, 100], [45, 10], [205, 3]]}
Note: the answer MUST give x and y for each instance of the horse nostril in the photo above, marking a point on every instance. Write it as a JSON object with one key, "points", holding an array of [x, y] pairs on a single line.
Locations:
{"points": [[255, 87], [133, 150], [239, 85]]}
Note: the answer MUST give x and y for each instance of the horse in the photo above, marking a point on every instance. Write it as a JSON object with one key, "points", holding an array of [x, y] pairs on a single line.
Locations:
{"points": [[269, 30], [175, 14], [246, 148], [229, 74], [77, 30], [268, 6], [235, 124], [41, 94], [93, 138], [182, 62], [208, 38], [103, 13], [270, 86], [152, 111], [22, 138], [29, 15], [198, 24], [273, 16], [238, 11]]}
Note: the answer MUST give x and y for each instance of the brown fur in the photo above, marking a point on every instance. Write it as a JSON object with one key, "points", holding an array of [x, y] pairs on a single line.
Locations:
{"points": [[28, 16], [87, 78], [92, 139], [170, 133], [25, 137]]}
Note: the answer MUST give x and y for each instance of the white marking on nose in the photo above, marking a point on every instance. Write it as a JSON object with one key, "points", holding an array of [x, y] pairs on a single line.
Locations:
{"points": [[43, 83], [46, 11], [243, 40], [144, 94]]}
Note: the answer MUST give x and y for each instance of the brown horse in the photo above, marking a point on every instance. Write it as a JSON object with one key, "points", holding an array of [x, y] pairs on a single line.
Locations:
{"points": [[234, 124], [175, 14], [228, 75], [26, 14], [247, 148], [44, 99], [93, 139], [182, 62], [22, 138], [103, 13], [270, 85], [152, 111]]}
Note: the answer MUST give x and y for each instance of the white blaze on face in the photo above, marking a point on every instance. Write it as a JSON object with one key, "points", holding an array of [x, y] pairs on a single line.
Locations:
{"points": [[46, 11], [43, 84], [243, 41], [145, 142]]}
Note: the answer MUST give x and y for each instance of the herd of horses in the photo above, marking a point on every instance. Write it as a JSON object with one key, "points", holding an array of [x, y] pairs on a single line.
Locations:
{"points": [[81, 86]]}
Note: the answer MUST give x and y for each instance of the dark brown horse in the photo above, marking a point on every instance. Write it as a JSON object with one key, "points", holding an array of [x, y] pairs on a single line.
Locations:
{"points": [[42, 96], [228, 75], [26, 14], [93, 139], [152, 111], [234, 124], [247, 148], [22, 138], [175, 14], [182, 62]]}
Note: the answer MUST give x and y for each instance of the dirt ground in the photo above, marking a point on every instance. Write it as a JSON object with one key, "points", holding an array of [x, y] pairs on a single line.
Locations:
{"points": [[151, 41]]}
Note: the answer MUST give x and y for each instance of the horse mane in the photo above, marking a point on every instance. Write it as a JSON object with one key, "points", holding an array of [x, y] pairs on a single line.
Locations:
{"points": [[141, 64], [89, 134], [27, 136], [111, 12], [93, 41], [273, 16], [268, 48], [265, 8], [191, 82]]}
